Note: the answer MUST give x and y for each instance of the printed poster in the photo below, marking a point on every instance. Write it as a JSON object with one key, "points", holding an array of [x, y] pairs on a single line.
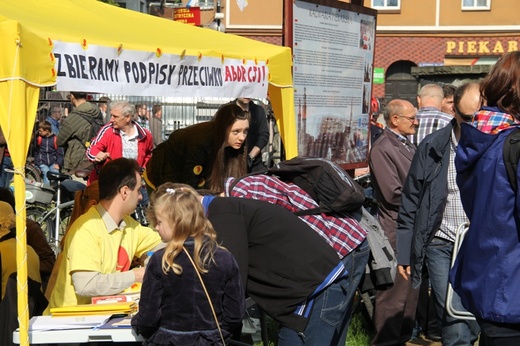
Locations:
{"points": [[333, 52]]}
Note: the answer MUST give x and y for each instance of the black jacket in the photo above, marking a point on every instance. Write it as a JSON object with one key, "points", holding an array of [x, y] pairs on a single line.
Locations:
{"points": [[187, 156], [171, 304], [258, 134], [282, 259], [423, 200]]}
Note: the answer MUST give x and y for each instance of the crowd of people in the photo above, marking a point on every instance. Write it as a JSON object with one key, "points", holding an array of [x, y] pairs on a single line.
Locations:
{"points": [[216, 241]]}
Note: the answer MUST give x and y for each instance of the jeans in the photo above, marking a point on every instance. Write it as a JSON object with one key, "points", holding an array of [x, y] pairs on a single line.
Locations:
{"points": [[6, 177], [330, 316], [45, 169], [453, 331]]}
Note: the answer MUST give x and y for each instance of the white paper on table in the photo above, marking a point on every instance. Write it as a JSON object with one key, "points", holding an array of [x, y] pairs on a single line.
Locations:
{"points": [[68, 322]]}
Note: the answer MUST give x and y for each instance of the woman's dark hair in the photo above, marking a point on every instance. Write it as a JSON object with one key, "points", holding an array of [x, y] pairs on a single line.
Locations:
{"points": [[116, 174], [501, 87], [227, 162]]}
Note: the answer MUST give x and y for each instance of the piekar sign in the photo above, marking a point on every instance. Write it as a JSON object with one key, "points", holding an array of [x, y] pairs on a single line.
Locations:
{"points": [[95, 68]]}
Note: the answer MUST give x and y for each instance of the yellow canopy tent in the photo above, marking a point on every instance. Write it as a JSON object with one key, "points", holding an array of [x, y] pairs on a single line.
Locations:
{"points": [[90, 46]]}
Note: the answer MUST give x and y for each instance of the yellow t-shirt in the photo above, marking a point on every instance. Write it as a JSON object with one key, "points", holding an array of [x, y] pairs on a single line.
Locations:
{"points": [[90, 247], [8, 253]]}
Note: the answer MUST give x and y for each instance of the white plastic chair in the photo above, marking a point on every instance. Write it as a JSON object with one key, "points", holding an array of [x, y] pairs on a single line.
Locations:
{"points": [[463, 315]]}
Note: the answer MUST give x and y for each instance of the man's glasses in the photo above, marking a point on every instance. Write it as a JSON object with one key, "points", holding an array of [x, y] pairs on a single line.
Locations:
{"points": [[465, 117], [412, 119]]}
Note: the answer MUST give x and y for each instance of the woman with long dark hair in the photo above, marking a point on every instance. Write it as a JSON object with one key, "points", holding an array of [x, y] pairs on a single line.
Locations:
{"points": [[204, 154]]}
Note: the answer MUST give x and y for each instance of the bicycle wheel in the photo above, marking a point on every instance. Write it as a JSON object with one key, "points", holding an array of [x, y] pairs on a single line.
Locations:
{"points": [[32, 172], [65, 215], [36, 213]]}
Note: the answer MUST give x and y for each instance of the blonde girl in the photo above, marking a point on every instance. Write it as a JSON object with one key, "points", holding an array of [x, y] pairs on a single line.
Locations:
{"points": [[176, 305]]}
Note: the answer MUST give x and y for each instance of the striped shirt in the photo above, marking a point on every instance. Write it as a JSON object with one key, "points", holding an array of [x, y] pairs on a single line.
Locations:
{"points": [[341, 231], [430, 119], [454, 214]]}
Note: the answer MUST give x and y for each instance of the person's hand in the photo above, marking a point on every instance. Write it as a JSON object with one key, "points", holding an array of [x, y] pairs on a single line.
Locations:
{"points": [[250, 161], [101, 156], [404, 271], [139, 273]]}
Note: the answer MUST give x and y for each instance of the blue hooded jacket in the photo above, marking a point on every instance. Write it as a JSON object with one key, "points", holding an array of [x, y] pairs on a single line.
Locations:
{"points": [[486, 273]]}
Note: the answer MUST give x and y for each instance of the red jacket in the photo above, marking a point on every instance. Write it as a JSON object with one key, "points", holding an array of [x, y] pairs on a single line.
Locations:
{"points": [[109, 140]]}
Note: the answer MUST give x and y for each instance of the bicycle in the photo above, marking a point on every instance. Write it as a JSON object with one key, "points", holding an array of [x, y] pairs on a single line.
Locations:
{"points": [[32, 171], [45, 205]]}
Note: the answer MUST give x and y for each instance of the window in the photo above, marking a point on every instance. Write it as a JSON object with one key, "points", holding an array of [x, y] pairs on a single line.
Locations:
{"points": [[386, 4], [476, 4]]}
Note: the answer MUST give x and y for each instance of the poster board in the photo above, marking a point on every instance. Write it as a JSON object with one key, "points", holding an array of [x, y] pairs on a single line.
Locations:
{"points": [[333, 53]]}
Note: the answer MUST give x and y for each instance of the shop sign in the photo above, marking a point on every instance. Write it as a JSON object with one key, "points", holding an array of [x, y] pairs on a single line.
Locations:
{"points": [[379, 75], [481, 47], [189, 15]]}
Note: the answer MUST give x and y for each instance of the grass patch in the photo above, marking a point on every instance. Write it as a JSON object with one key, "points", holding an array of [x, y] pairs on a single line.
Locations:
{"points": [[359, 333]]}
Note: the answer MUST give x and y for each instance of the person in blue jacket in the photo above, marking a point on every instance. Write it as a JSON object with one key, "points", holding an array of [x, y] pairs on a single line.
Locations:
{"points": [[486, 273]]}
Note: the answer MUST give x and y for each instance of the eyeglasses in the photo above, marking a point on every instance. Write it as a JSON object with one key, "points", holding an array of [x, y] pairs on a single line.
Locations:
{"points": [[466, 117], [412, 119]]}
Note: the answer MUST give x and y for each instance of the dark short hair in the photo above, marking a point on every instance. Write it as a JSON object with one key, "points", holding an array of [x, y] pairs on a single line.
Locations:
{"points": [[116, 174], [448, 90], [156, 108], [79, 95], [45, 125]]}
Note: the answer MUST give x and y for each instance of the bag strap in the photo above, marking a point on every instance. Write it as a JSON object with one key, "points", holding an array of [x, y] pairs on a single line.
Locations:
{"points": [[511, 155], [207, 295]]}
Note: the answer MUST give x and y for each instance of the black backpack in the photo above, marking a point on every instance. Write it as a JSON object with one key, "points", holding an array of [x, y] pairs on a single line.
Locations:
{"points": [[95, 125], [326, 182], [511, 155]]}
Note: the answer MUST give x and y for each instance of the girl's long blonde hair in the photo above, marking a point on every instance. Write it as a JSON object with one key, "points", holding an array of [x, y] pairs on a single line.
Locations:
{"points": [[180, 206]]}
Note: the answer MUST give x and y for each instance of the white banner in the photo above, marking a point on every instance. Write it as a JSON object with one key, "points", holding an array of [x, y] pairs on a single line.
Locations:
{"points": [[106, 70]]}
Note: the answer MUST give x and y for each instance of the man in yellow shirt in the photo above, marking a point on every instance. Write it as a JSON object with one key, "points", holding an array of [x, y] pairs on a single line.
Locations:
{"points": [[101, 244]]}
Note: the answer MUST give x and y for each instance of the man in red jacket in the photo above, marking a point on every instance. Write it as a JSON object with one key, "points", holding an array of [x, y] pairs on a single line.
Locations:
{"points": [[121, 137]]}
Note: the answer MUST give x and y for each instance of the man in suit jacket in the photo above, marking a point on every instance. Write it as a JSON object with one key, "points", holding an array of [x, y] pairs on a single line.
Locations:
{"points": [[390, 159]]}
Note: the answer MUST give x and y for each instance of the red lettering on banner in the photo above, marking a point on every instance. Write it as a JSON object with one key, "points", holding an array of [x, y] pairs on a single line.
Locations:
{"points": [[245, 74]]}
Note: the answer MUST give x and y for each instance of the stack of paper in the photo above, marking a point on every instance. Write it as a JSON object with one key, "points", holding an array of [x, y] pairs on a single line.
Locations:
{"points": [[71, 322], [95, 309]]}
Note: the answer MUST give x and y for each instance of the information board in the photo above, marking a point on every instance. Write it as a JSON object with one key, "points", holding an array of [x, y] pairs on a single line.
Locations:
{"points": [[333, 54]]}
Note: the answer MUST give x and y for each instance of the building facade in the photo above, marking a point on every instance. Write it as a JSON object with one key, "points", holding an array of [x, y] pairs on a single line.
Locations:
{"points": [[445, 41], [417, 42]]}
